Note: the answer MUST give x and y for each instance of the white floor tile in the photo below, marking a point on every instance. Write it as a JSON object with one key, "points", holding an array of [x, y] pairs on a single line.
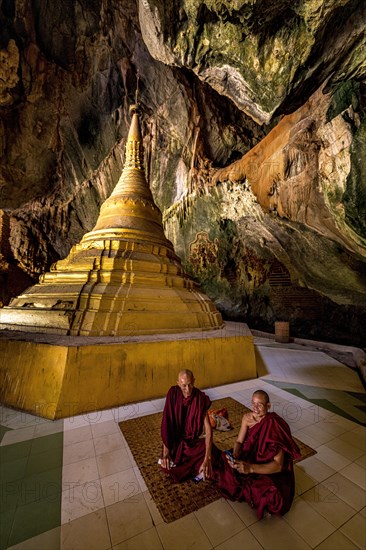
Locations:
{"points": [[75, 422], [80, 500], [87, 532], [158, 404], [305, 438], [140, 479], [78, 451], [184, 534], [355, 530], [79, 472], [275, 533], [242, 540], [348, 491], [77, 435], [337, 541], [361, 461], [315, 468], [344, 448], [148, 540], [113, 462], [154, 512], [331, 458], [219, 521], [126, 412], [146, 407], [247, 514], [354, 439], [104, 428], [110, 442], [316, 431], [128, 518], [311, 526], [303, 481], [356, 474], [120, 486]]}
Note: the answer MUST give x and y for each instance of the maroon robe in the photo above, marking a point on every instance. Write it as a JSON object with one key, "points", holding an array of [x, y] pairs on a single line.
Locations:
{"points": [[273, 492], [181, 427]]}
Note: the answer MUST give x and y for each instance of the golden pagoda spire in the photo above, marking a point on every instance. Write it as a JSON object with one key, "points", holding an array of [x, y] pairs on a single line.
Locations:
{"points": [[130, 210]]}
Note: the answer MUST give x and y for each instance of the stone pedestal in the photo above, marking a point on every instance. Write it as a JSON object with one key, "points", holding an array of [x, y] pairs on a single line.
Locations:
{"points": [[59, 376]]}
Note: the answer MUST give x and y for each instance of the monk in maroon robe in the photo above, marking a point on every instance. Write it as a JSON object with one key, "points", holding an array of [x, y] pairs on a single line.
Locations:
{"points": [[262, 470], [185, 453]]}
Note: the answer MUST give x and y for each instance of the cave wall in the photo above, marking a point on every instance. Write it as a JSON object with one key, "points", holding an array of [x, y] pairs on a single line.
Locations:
{"points": [[254, 117], [266, 56]]}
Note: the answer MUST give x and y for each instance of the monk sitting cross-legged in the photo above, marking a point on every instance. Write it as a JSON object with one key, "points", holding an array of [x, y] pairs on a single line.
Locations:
{"points": [[262, 470], [185, 453]]}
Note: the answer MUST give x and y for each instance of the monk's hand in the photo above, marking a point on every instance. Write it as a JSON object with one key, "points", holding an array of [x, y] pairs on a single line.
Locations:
{"points": [[206, 468], [242, 467], [231, 463], [165, 462]]}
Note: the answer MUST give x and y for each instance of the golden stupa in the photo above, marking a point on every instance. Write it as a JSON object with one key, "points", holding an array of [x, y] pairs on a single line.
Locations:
{"points": [[123, 278], [116, 320]]}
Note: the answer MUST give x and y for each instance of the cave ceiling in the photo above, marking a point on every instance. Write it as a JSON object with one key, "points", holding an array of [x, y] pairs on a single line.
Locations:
{"points": [[254, 121]]}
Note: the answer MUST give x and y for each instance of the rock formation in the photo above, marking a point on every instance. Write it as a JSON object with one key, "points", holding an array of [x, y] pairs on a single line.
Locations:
{"points": [[256, 117]]}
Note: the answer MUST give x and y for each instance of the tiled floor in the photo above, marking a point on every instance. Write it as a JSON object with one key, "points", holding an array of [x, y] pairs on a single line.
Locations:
{"points": [[73, 484]]}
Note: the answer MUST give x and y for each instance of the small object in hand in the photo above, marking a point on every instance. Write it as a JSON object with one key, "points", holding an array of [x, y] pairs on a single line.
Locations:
{"points": [[230, 456], [172, 465], [199, 477]]}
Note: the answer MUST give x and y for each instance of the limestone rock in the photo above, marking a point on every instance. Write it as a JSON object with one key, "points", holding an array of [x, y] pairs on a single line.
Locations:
{"points": [[12, 277], [265, 56]]}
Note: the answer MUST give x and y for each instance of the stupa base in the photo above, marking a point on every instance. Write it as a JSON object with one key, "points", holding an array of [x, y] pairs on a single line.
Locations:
{"points": [[60, 376]]}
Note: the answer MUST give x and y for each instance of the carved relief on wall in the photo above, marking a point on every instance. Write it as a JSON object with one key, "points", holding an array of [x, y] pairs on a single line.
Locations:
{"points": [[203, 254]]}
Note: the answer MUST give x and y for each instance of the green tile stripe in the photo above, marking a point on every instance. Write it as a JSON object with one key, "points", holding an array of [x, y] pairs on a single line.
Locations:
{"points": [[30, 488], [3, 430], [357, 395], [324, 398]]}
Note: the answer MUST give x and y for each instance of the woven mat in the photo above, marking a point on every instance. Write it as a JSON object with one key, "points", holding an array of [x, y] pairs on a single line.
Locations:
{"points": [[175, 500]]}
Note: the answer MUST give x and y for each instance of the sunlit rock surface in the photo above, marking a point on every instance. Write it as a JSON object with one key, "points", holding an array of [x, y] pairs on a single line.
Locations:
{"points": [[254, 117]]}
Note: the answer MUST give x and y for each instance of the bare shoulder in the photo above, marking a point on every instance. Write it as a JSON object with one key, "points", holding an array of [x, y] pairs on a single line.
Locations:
{"points": [[247, 418]]}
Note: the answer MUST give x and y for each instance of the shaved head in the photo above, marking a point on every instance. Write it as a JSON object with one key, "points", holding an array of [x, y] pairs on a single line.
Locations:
{"points": [[263, 394], [187, 372], [186, 382], [260, 404]]}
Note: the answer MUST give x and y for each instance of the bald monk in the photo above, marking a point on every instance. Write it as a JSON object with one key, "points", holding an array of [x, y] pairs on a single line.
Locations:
{"points": [[184, 419], [262, 470]]}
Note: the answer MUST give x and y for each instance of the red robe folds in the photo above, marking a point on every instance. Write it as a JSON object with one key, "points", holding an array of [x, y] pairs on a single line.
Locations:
{"points": [[181, 427], [274, 492]]}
